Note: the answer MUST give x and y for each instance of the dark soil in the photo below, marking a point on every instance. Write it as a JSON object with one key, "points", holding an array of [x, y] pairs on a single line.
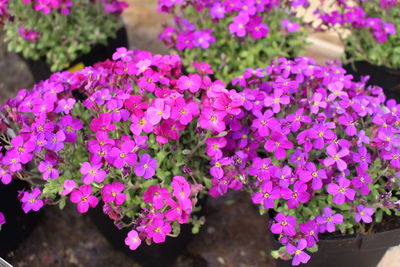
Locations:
{"points": [[388, 223]]}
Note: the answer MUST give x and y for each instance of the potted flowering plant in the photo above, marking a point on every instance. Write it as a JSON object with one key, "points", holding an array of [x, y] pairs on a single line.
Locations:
{"points": [[129, 136], [319, 151], [54, 35], [371, 40], [233, 35]]}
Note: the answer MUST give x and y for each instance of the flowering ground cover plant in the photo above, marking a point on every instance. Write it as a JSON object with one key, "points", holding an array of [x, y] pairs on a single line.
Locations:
{"points": [[232, 35], [316, 148], [58, 31], [372, 26], [143, 140], [128, 134]]}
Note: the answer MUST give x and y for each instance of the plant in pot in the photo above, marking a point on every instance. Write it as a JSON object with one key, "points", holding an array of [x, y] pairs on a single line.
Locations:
{"points": [[368, 31], [232, 35], [319, 153], [132, 137], [59, 34]]}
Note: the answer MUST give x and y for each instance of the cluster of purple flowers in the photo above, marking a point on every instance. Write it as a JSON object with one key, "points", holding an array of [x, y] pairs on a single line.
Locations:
{"points": [[104, 145], [306, 132], [246, 17], [295, 135], [61, 6], [64, 6], [355, 17]]}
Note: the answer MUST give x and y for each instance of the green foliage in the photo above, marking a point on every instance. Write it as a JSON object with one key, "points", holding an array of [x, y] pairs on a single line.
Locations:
{"points": [[62, 39], [229, 56]]}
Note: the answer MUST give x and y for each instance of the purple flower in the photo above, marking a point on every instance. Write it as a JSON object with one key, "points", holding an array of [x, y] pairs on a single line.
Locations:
{"points": [[123, 54], [132, 240], [363, 158], [12, 160], [146, 167], [267, 195], [393, 156], [113, 193], [336, 157], [83, 197], [328, 220], [362, 138], [176, 212], [182, 191], [284, 224], [92, 173], [159, 110], [118, 113], [299, 255], [217, 170], [298, 194], [342, 191], [350, 124], [55, 142], [337, 91], [284, 175], [123, 155], [310, 229], [46, 167], [217, 11], [5, 176], [70, 125], [264, 122], [203, 39], [23, 148], [142, 66], [262, 168], [69, 186], [158, 230], [311, 173], [317, 102], [103, 123], [214, 146], [191, 83], [65, 105], [30, 201], [276, 100], [278, 143], [2, 219], [290, 26], [321, 134], [361, 182], [364, 214], [296, 119], [157, 196], [238, 26]]}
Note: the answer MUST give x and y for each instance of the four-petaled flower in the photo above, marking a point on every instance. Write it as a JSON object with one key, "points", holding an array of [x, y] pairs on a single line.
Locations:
{"points": [[83, 198], [146, 167]]}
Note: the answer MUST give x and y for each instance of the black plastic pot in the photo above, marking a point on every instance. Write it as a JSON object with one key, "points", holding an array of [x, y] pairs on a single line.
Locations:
{"points": [[155, 255], [350, 251], [386, 78], [41, 70], [18, 224]]}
